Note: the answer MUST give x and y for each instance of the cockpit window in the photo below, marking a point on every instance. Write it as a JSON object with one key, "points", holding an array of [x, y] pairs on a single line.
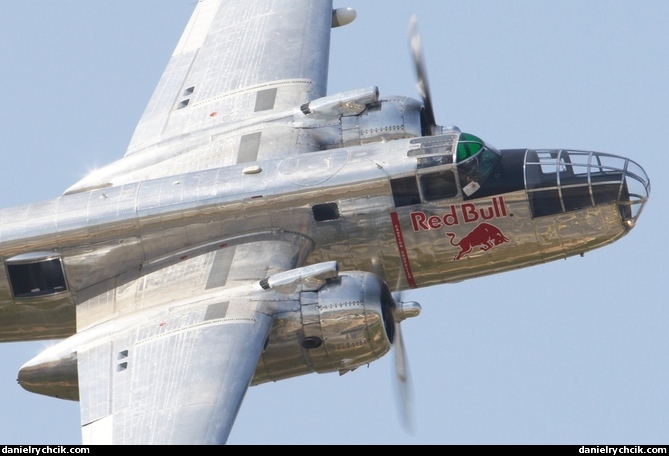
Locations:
{"points": [[432, 151], [468, 146], [439, 185], [475, 161], [464, 162]]}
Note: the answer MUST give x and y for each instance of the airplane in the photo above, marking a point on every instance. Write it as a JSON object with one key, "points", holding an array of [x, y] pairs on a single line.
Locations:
{"points": [[266, 208]]}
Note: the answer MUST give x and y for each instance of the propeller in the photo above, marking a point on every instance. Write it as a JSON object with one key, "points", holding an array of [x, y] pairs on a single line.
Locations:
{"points": [[423, 86], [401, 311]]}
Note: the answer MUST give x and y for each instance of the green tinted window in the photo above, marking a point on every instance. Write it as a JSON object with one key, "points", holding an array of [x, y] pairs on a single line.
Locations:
{"points": [[468, 146]]}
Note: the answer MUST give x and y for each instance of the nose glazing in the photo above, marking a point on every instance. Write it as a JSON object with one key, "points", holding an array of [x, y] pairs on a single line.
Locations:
{"points": [[559, 181]]}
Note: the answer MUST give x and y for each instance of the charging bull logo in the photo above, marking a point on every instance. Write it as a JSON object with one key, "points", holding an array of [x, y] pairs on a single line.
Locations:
{"points": [[485, 236]]}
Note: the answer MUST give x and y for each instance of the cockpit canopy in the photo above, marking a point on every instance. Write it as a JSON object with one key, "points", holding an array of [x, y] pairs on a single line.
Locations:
{"points": [[473, 158], [475, 161]]}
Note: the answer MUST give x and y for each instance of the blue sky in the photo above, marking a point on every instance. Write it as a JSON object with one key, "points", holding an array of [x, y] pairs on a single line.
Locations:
{"points": [[570, 352]]}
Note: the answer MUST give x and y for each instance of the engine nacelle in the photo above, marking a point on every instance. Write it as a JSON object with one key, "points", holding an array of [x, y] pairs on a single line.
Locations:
{"points": [[359, 117], [346, 324], [386, 120], [337, 323]]}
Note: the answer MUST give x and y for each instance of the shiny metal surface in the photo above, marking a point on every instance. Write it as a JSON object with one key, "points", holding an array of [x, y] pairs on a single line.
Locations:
{"points": [[252, 229], [109, 232], [345, 326]]}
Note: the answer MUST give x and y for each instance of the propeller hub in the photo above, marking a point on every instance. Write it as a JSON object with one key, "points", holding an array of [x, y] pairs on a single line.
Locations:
{"points": [[404, 310]]}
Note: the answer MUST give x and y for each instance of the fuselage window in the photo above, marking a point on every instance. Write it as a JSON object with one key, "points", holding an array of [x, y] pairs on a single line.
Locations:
{"points": [[38, 278], [436, 186], [405, 191], [327, 211]]}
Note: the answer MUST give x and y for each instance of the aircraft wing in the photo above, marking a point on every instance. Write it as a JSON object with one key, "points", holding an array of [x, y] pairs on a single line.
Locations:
{"points": [[228, 93], [182, 385], [175, 371], [236, 60]]}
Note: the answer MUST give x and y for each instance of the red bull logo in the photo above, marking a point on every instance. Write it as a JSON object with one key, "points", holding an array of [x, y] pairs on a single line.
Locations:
{"points": [[485, 236], [460, 213]]}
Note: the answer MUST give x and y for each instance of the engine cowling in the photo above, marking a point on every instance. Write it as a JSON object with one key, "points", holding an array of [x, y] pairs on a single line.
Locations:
{"points": [[345, 324], [359, 117]]}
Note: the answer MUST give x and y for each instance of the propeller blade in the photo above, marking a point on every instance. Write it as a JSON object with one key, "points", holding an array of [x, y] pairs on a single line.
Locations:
{"points": [[403, 381], [401, 311], [421, 74]]}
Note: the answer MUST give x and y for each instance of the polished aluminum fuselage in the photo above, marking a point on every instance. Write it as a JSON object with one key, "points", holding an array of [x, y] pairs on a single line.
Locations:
{"points": [[131, 229]]}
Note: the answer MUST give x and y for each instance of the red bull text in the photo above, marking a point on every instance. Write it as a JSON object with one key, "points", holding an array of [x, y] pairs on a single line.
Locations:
{"points": [[458, 214]]}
